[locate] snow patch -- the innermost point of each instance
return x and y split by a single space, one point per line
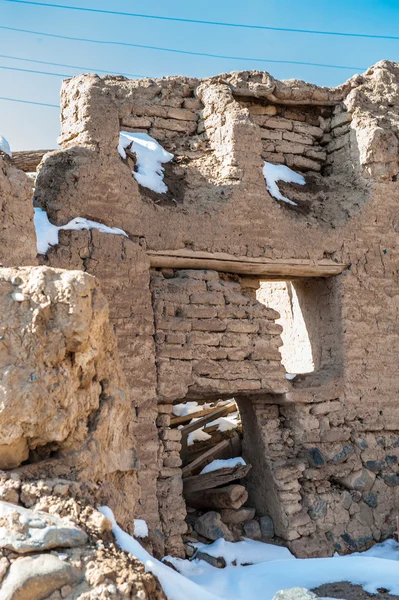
274 173
149 158
223 464
226 423
187 408
47 233
197 436
140 528
290 376
198 580
5 146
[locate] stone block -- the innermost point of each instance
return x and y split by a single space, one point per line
252 530
204 338
208 325
210 298
266 528
210 526
239 515
278 123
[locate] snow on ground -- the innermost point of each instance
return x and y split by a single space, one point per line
149 158
198 580
223 464
140 528
275 173
5 146
47 233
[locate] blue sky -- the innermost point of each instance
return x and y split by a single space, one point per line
34 127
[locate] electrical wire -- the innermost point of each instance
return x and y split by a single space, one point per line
204 22
87 69
175 51
29 102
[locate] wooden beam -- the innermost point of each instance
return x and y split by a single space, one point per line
205 458
213 479
262 267
220 411
201 413
231 496
28 160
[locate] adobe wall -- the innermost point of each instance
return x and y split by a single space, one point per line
330 444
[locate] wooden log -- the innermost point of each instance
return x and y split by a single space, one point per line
205 458
199 448
220 411
231 496
213 479
226 448
175 421
285 268
28 160
215 414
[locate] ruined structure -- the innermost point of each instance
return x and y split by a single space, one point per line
324 445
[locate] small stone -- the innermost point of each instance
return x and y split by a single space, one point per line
296 593
99 522
361 480
211 527
4 564
252 530
318 510
266 527
391 460
371 499
315 458
375 465
346 500
391 479
342 456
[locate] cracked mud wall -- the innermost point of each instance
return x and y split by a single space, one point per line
338 419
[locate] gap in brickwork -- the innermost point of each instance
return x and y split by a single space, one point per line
296 351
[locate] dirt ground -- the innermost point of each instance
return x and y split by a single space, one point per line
347 591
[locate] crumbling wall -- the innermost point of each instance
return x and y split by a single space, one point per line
17 234
333 421
64 410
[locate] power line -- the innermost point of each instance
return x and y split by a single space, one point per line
33 71
90 69
203 22
175 51
29 102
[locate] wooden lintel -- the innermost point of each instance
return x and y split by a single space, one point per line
262 267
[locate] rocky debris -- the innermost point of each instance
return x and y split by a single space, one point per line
210 526
81 561
66 392
36 577
24 530
295 594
